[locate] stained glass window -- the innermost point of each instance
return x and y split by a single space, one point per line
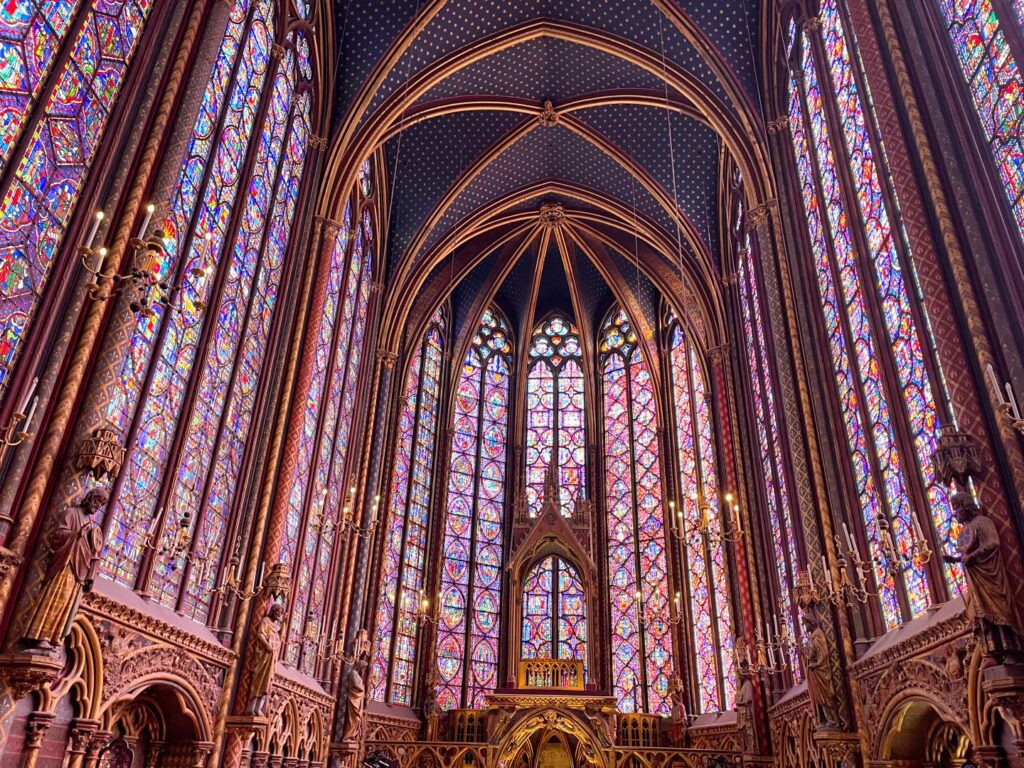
41 197
775 483
707 579
554 412
324 480
976 30
554 612
885 471
195 417
471 573
405 527
637 563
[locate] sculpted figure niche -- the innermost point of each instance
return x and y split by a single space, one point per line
73 548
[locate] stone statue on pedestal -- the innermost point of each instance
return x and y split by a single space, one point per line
73 548
265 650
814 652
355 699
990 603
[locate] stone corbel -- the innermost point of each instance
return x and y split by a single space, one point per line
24 672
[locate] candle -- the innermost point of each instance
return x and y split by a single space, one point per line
23 407
145 221
101 258
737 519
31 411
995 383
91 237
918 533
827 572
846 537
1013 401
154 523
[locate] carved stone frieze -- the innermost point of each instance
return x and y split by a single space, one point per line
148 627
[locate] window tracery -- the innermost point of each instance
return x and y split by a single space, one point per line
189 380
554 612
978 33
637 561
707 580
41 198
875 321
403 567
470 602
554 412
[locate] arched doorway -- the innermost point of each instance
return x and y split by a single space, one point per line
919 736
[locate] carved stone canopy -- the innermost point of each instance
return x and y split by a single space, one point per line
958 457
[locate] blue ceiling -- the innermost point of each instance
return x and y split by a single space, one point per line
679 153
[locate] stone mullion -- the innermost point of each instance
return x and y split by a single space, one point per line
290 272
212 308
963 380
141 577
32 355
793 379
906 211
318 432
51 446
763 490
269 519
121 322
739 569
685 648
355 549
433 551
891 383
758 524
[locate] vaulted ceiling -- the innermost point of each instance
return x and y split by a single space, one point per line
650 104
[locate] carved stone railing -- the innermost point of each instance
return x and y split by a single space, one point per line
566 674
637 730
467 725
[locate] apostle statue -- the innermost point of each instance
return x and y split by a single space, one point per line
355 699
814 652
680 720
990 603
745 708
432 707
73 548
264 657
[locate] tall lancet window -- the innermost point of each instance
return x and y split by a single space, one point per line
317 494
707 587
774 479
467 630
188 384
554 412
402 578
978 32
51 144
887 379
637 564
554 612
